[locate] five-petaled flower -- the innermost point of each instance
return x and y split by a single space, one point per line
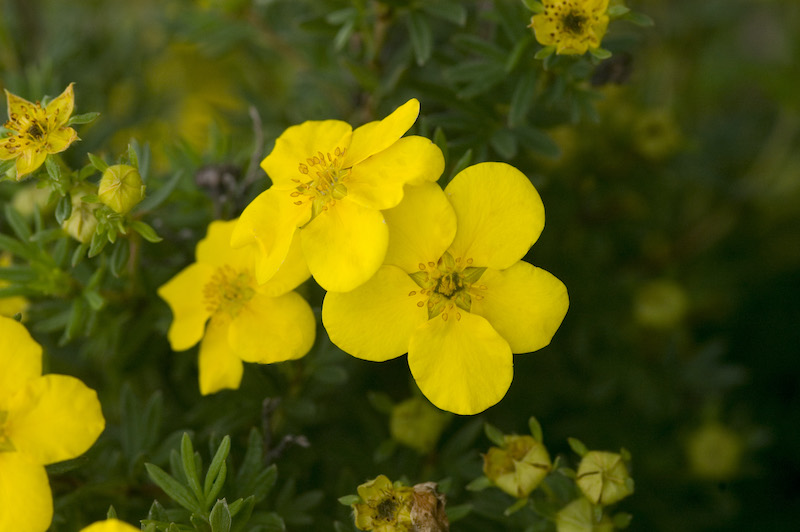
329 186
246 321
36 131
43 419
571 26
454 293
384 506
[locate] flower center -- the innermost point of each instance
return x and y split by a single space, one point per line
35 131
5 441
447 285
228 291
322 182
574 22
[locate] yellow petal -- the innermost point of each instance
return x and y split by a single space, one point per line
500 215
110 525
9 150
376 136
60 139
345 245
271 329
290 274
301 142
421 228
378 181
461 365
218 365
28 161
524 304
54 418
27 504
20 111
376 320
270 222
60 108
184 295
215 249
20 358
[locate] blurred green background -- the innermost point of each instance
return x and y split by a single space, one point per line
670 175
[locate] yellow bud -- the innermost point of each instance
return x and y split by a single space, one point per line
518 467
81 223
714 452
121 188
579 516
603 477
417 424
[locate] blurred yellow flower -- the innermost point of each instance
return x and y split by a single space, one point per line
10 306
37 131
571 26
329 186
246 321
454 293
43 419
417 424
110 525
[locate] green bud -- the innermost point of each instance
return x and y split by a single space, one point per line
660 304
121 188
417 424
580 516
714 452
82 223
603 477
518 467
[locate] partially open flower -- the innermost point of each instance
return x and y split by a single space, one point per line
518 467
121 188
603 477
385 507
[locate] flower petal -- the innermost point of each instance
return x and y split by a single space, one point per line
215 249
218 365
20 358
60 108
29 160
525 304
376 136
345 245
378 181
461 365
54 405
25 491
421 228
20 112
500 215
9 149
184 295
60 139
291 274
273 329
301 142
270 222
376 320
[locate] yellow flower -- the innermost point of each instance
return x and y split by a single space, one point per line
38 131
110 525
384 507
459 301
10 306
43 419
518 467
571 26
246 321
329 186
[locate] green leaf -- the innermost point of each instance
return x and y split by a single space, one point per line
537 140
462 163
173 488
162 193
97 244
119 258
421 37
85 118
617 10
343 35
522 98
479 484
545 52
533 5
349 500
17 223
215 468
381 402
63 209
95 300
76 321
53 169
577 446
448 10
517 506
621 520
504 143
494 435
147 232
15 247
456 513
220 518
535 428
600 53
516 54
78 254
190 466
241 510
97 162
111 513
157 512
133 157
18 274
639 19
440 140
91 198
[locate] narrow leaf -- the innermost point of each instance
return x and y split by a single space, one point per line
172 488
147 232
421 37
97 162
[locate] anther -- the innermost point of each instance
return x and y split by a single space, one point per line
412 293
420 304
444 316
421 266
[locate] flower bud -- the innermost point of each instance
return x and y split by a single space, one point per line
518 467
580 516
714 452
384 506
603 477
121 188
417 424
82 223
660 304
28 198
